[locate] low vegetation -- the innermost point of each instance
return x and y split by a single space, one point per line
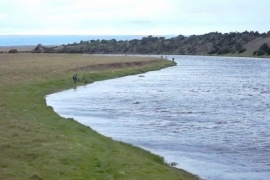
234 43
13 51
35 143
263 49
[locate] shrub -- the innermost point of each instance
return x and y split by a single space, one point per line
13 51
242 50
264 47
259 52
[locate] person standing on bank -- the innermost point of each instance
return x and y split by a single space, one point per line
75 78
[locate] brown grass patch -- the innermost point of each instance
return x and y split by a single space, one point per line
20 68
24 48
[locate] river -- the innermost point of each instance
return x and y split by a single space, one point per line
209 115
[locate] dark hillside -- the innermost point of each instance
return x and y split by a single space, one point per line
234 43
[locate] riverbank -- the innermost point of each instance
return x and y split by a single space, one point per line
36 143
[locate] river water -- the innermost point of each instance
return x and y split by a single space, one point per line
210 115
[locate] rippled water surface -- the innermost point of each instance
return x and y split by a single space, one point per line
210 115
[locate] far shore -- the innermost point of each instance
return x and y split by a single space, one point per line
30 48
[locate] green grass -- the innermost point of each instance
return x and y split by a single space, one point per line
36 143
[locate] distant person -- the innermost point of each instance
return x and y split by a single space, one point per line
75 78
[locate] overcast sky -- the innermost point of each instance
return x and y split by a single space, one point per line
132 17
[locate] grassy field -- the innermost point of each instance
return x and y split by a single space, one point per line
36 143
25 48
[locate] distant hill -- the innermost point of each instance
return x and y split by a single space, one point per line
215 43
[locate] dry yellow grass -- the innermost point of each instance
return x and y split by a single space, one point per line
25 48
20 68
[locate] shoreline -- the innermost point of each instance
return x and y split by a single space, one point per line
35 139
